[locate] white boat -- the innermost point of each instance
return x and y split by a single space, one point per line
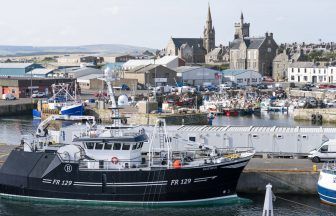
326 185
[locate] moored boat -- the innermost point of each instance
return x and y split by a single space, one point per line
326 186
111 166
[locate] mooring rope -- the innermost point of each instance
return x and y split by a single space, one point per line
301 204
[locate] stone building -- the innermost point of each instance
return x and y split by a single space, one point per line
153 75
252 53
242 29
193 50
281 63
219 55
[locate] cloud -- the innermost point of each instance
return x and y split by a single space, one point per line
114 10
280 18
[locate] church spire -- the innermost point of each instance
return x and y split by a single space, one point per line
209 19
209 33
242 18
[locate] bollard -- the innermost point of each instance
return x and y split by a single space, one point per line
315 169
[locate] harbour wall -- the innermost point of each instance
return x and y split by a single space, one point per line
315 94
328 115
16 109
150 119
283 182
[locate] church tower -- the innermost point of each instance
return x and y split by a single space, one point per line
209 34
242 29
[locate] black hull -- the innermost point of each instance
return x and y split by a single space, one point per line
43 175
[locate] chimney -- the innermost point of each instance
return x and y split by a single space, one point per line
271 35
266 34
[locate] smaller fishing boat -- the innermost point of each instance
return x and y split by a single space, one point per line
62 102
326 185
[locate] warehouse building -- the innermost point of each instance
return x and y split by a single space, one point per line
195 75
21 87
242 77
16 69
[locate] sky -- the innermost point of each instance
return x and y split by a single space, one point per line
150 23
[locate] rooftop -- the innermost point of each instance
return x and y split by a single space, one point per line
15 65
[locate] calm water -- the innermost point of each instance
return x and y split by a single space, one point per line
12 128
311 206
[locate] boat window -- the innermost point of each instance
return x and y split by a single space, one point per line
126 146
108 146
117 146
140 145
99 146
134 146
193 139
89 145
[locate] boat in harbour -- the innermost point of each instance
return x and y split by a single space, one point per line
62 102
326 186
111 166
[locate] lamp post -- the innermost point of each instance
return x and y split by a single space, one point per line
31 85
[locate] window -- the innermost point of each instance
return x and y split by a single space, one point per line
140 145
192 139
99 146
108 146
117 146
89 145
126 146
240 80
269 50
292 78
324 148
305 70
292 70
134 146
254 80
13 91
305 78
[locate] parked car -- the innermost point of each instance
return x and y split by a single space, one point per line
38 95
305 88
8 97
261 86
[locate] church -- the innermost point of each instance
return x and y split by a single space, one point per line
193 50
252 53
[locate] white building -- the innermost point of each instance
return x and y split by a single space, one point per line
194 75
242 77
304 72
167 61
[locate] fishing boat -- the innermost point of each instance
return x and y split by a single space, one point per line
62 102
111 166
326 186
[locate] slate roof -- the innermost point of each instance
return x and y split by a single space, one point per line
192 42
251 43
302 65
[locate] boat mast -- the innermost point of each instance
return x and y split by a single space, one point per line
110 76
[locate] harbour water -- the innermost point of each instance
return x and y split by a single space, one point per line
12 128
310 206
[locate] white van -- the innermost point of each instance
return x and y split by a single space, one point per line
327 151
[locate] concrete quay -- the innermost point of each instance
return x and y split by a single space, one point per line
135 118
328 115
287 176
22 106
